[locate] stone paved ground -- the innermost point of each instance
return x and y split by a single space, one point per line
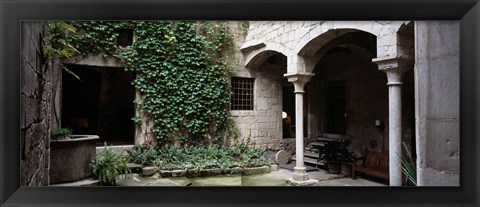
276 178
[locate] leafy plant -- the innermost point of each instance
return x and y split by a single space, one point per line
408 166
108 165
245 25
61 132
56 44
142 154
334 151
199 157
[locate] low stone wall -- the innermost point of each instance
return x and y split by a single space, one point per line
192 173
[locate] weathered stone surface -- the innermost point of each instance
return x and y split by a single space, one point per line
134 168
165 173
225 180
438 113
179 173
282 157
268 179
71 158
191 173
210 172
36 108
310 182
149 170
273 168
178 181
256 170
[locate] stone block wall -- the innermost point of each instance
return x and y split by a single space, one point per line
263 124
36 107
289 37
437 71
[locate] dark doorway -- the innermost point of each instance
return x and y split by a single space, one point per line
101 104
288 113
335 110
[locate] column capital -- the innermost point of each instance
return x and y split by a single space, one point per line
394 66
299 80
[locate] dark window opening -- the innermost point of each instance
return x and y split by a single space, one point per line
242 93
335 110
100 104
125 37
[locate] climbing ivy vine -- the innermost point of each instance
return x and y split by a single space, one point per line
182 73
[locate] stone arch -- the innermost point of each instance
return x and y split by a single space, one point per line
329 30
314 50
259 58
254 59
316 38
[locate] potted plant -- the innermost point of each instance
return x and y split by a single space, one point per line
108 165
334 153
61 133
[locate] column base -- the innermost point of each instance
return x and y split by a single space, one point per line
300 174
310 182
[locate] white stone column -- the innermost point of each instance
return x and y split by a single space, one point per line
299 80
394 67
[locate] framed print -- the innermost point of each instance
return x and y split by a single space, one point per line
286 88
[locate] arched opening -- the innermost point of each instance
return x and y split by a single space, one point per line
348 94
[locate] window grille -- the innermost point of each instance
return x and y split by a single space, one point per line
242 93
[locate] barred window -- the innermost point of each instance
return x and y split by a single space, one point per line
242 96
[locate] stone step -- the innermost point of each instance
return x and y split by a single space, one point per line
310 154
319 144
310 161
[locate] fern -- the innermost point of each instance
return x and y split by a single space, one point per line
108 165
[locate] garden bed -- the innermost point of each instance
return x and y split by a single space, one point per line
192 173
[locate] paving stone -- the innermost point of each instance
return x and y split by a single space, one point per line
177 181
223 180
268 179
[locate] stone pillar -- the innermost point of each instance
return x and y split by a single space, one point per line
394 67
299 80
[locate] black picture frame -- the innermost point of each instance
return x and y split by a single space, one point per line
13 12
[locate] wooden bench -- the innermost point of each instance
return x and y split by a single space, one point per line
374 163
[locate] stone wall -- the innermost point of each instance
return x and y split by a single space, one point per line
290 37
437 102
263 124
36 107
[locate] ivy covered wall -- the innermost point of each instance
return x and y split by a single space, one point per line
182 74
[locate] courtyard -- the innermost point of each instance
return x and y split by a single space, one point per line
275 178
183 87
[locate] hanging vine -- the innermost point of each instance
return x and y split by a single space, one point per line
182 73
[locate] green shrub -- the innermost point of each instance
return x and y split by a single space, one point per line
199 157
142 154
108 165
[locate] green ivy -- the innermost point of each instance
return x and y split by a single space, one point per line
56 44
182 73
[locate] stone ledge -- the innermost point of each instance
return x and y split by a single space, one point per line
192 173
